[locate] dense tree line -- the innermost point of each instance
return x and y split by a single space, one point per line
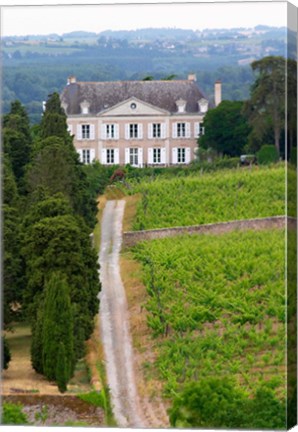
51 269
233 128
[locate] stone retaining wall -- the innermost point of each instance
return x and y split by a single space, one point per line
131 238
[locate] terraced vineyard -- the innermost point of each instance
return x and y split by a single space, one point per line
209 198
216 307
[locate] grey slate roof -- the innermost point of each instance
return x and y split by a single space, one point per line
104 95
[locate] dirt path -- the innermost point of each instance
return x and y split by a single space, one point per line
114 322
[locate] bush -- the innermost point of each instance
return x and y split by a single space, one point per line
218 403
12 414
267 155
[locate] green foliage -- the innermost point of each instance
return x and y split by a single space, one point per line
6 356
93 398
13 415
265 109
17 140
98 177
217 308
12 263
226 129
53 122
55 166
61 243
267 155
57 331
209 198
219 403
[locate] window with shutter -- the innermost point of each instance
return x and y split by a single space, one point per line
92 155
150 156
174 155
126 156
103 131
187 130
187 155
116 156
104 156
92 132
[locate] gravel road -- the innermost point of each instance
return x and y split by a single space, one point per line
114 322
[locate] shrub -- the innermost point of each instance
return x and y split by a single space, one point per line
214 402
12 414
267 155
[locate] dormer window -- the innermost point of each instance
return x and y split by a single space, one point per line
181 104
203 105
85 107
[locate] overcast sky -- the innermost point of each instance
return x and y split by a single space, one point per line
23 20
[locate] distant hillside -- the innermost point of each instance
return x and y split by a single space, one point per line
38 65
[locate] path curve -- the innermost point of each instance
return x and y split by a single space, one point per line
114 322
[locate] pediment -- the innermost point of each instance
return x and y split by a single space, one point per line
132 107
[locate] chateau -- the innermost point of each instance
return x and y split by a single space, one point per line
139 123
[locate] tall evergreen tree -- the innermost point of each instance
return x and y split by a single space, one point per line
60 242
53 122
57 331
56 163
12 263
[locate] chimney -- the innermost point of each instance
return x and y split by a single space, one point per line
217 92
192 77
71 80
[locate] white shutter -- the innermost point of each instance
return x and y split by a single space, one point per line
69 129
140 131
126 156
187 130
80 154
163 156
140 157
197 129
92 155
104 156
116 156
163 130
103 130
92 132
150 131
174 130
79 132
174 155
116 131
127 131
187 155
150 156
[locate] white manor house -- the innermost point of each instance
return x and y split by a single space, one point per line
140 123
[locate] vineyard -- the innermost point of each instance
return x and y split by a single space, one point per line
211 197
216 305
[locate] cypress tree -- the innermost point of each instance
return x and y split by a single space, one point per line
57 331
62 368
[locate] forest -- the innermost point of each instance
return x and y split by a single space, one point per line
50 266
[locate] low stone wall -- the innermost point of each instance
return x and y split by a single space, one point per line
131 238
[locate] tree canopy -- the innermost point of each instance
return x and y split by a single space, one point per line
226 129
266 107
